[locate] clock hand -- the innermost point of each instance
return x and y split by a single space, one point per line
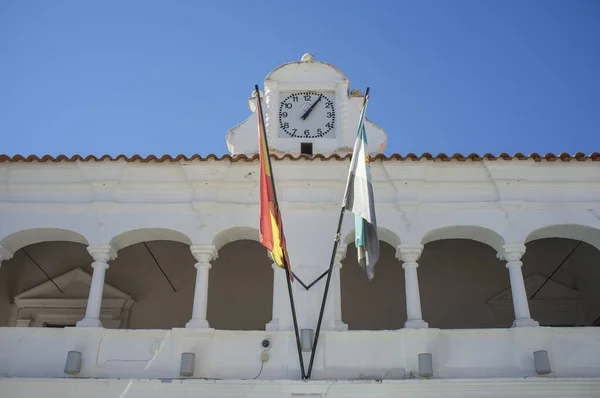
309 110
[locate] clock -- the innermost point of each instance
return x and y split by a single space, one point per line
307 114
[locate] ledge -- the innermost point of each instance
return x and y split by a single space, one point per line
550 157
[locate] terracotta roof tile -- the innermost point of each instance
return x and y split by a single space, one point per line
550 157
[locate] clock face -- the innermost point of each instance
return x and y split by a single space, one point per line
306 114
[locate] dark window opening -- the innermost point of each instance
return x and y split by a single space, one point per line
56 325
306 148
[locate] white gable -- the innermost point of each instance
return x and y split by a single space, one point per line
45 304
310 75
555 304
552 290
74 284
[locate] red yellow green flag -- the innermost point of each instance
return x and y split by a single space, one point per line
271 226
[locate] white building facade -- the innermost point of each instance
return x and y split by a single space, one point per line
489 264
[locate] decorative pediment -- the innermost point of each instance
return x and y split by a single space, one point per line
45 303
74 284
552 291
339 128
554 305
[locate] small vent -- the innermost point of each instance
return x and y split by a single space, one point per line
306 148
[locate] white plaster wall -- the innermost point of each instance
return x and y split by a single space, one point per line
392 355
119 203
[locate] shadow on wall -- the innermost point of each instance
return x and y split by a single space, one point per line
457 277
379 304
240 292
562 278
161 294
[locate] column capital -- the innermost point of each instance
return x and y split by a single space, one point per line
512 252
5 254
340 254
204 254
102 253
409 252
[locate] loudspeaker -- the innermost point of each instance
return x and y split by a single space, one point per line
541 362
187 364
306 339
73 363
425 365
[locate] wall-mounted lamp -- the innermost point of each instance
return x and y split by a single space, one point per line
541 362
187 364
425 365
306 339
73 362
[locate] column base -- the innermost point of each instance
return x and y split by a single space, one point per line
197 324
340 326
89 323
416 324
524 323
272 326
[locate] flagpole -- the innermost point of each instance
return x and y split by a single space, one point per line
331 263
285 259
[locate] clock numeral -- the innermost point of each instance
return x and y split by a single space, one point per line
294 133
329 114
295 98
328 105
287 105
329 125
307 132
284 114
319 131
286 125
307 97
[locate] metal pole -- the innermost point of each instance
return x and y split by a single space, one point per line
554 272
285 259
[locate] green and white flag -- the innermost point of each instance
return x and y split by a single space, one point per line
359 200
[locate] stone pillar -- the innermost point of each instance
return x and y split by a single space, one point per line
101 255
280 295
336 286
409 254
5 254
203 254
512 253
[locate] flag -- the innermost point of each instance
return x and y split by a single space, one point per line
271 226
359 200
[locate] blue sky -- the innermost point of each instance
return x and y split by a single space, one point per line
155 77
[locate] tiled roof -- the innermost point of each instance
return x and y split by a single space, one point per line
550 157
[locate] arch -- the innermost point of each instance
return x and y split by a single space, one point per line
582 233
384 235
244 267
236 233
132 237
471 232
20 239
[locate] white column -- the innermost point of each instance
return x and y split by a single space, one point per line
5 254
512 254
203 254
409 254
279 294
337 288
101 255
